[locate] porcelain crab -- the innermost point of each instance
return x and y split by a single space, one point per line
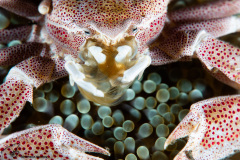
103 46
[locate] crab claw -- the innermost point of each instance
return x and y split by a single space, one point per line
18 88
10 106
47 141
212 127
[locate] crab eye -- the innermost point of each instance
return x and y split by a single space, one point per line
135 29
87 32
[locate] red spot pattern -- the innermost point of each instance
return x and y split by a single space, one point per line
215 27
15 92
20 33
222 121
38 68
59 69
212 126
179 40
222 59
10 55
173 46
10 108
33 142
106 17
27 9
212 10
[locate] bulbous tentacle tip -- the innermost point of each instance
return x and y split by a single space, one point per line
48 141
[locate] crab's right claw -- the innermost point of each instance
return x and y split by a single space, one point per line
18 88
13 96
48 141
213 129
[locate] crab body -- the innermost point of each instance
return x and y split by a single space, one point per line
107 45
104 45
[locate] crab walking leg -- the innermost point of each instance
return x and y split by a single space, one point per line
160 57
31 47
47 141
215 27
212 10
19 84
214 131
23 8
19 33
10 56
181 42
59 70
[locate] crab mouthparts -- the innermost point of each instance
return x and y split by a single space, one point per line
107 70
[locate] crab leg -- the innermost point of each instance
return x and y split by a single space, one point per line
47 141
19 84
21 33
159 57
30 35
181 42
215 27
10 56
25 8
212 125
59 70
212 10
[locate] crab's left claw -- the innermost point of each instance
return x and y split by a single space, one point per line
212 127
48 141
